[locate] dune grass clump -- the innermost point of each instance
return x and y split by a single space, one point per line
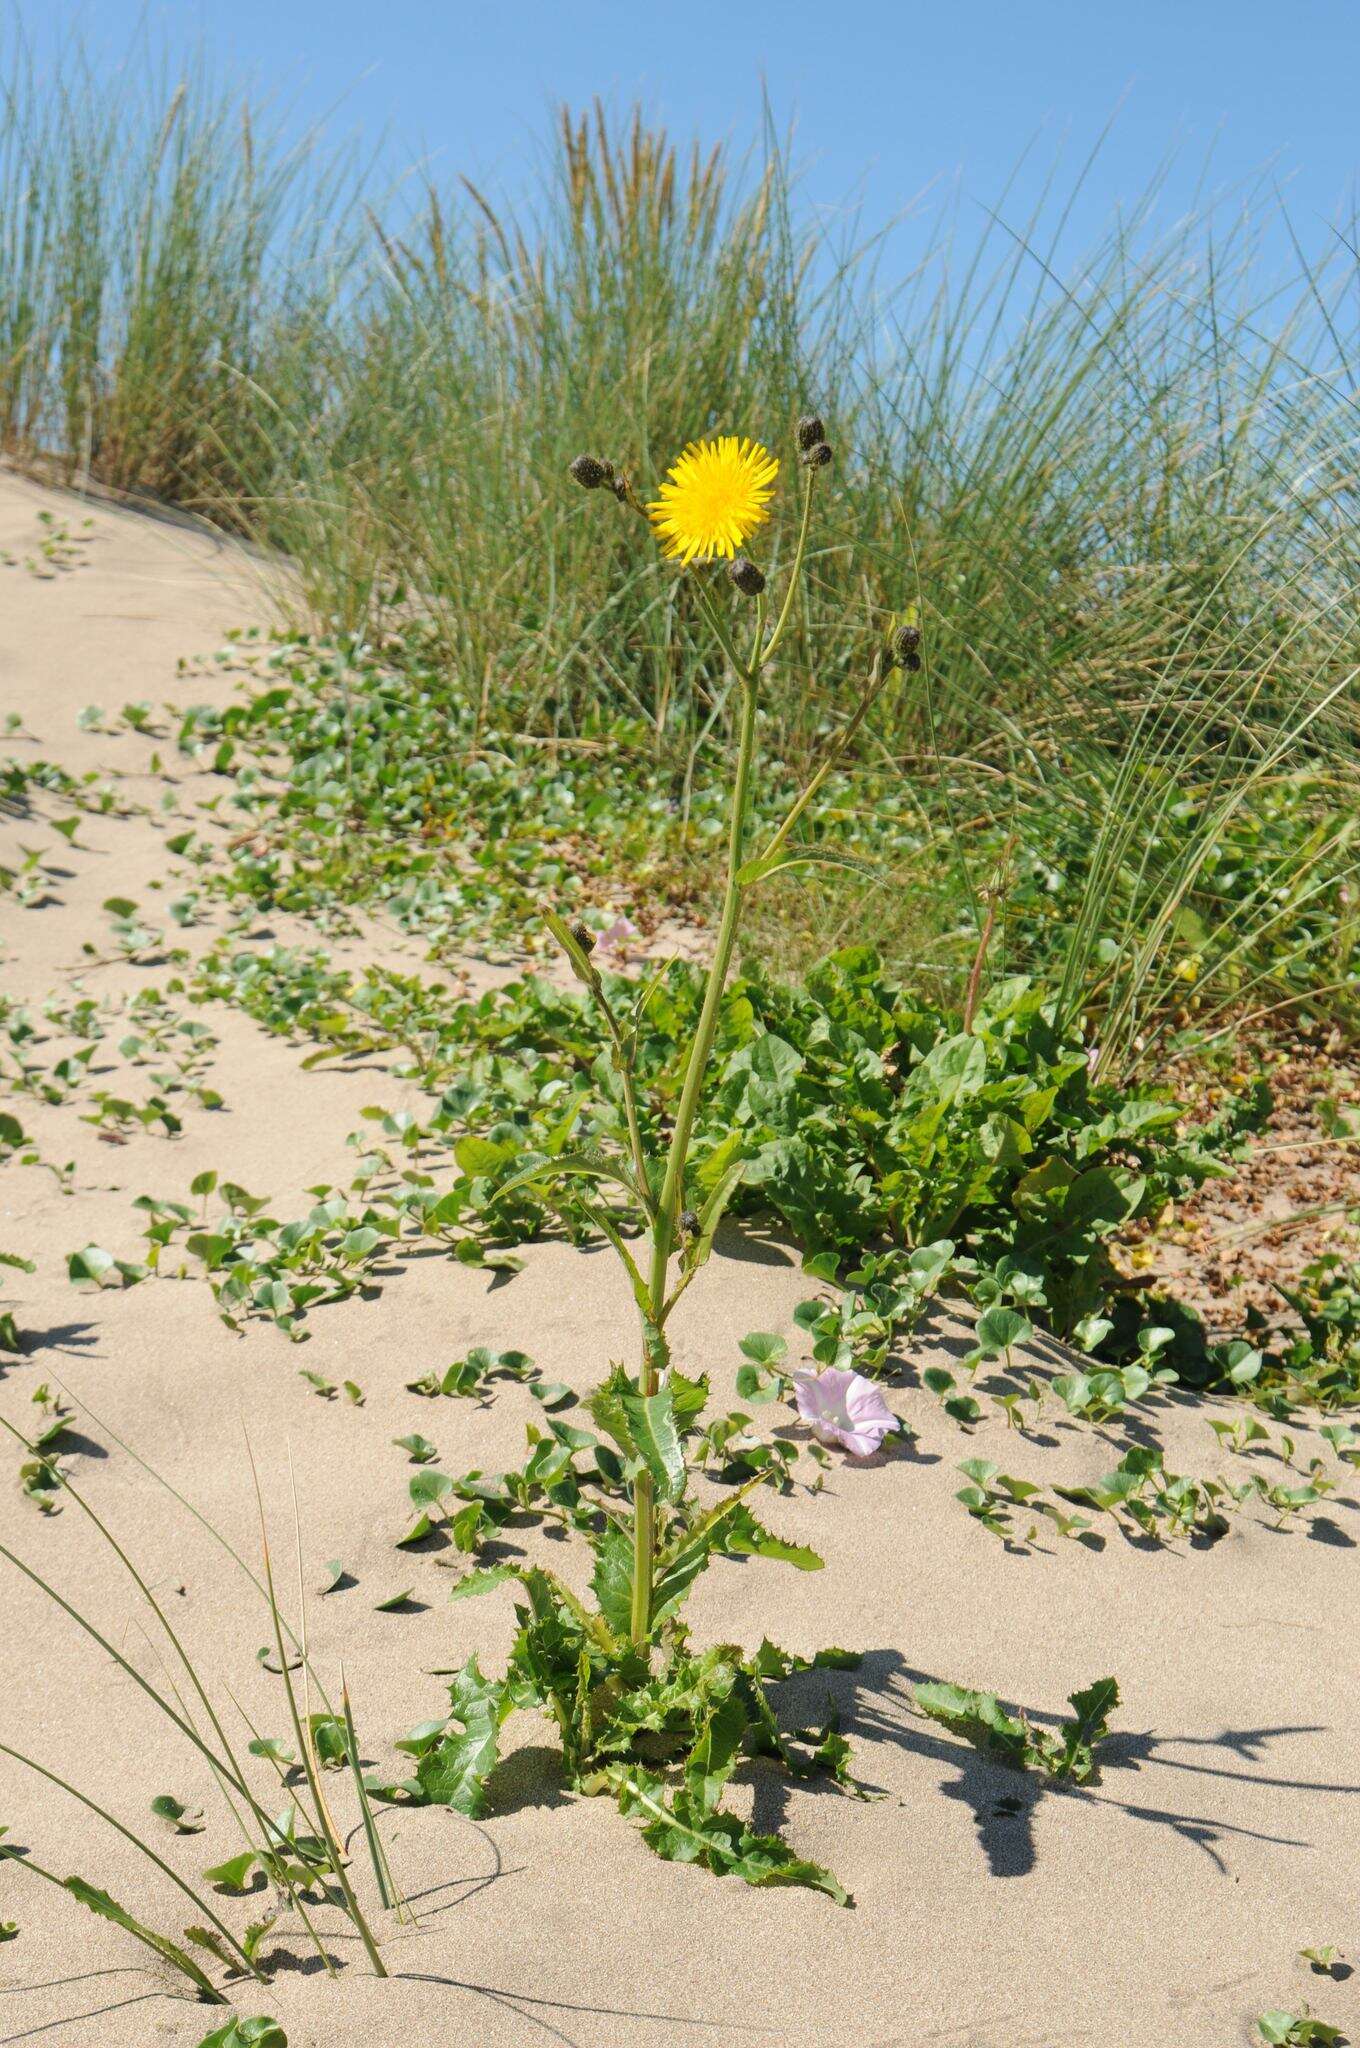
1124 475
168 264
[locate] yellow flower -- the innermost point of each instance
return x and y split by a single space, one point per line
717 493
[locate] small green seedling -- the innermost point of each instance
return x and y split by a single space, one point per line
961 1408
1298 2030
471 1376
260 2032
181 1819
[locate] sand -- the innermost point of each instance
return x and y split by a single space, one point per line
1161 1908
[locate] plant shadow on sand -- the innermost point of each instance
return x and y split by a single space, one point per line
72 1337
96 2013
875 1705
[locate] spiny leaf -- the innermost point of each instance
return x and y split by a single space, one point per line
454 1771
720 1841
612 1579
656 1437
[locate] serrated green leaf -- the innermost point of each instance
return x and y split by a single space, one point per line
656 1439
612 1579
455 1770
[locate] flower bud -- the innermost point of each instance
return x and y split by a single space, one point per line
810 431
590 472
905 650
818 454
744 573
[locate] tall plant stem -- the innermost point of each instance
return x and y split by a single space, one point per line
655 1353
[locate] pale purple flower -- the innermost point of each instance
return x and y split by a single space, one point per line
844 1408
618 937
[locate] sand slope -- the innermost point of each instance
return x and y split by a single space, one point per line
1162 1908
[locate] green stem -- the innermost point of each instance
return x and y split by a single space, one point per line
878 676
795 572
624 1067
655 1352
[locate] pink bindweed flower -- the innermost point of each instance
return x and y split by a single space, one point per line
844 1408
618 938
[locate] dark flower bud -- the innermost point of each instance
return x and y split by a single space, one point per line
810 431
590 472
744 573
905 650
584 936
818 455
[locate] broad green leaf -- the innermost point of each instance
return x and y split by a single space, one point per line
612 1579
232 1874
454 1772
483 1155
260 2032
656 1438
418 1448
183 1819
999 1328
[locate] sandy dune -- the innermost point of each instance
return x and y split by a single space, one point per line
1161 1908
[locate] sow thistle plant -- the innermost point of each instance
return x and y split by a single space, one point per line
641 1713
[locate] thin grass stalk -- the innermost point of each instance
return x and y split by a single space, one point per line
377 1852
200 1904
159 1945
234 1775
333 1847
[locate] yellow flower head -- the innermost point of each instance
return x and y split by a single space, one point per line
717 493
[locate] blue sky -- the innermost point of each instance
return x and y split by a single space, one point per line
885 98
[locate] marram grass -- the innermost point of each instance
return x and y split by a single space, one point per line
1113 480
